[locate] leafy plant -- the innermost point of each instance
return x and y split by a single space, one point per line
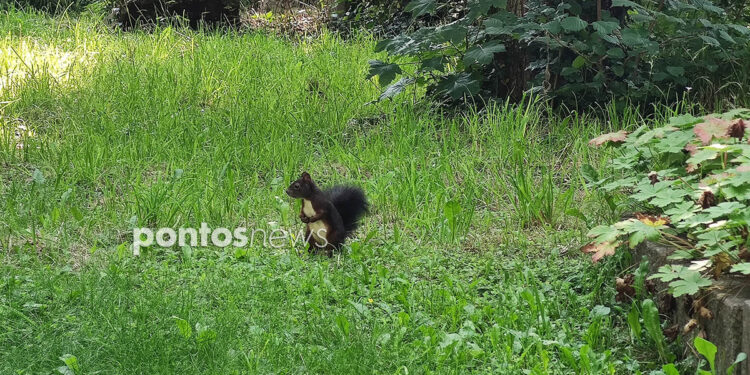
574 51
692 176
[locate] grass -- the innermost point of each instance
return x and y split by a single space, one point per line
467 263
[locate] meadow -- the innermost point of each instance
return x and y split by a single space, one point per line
468 261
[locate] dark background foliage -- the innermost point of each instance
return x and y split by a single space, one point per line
577 53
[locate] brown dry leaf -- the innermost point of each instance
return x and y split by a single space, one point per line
600 250
712 128
702 334
616 137
689 326
651 220
737 129
743 168
707 199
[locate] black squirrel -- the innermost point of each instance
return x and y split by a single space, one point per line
331 215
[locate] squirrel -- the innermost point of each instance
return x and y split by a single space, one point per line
331 215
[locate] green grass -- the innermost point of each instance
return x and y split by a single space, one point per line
466 264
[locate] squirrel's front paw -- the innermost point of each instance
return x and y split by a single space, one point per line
304 219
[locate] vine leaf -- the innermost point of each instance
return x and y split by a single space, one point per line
483 54
421 7
743 268
396 88
712 128
616 137
573 24
690 283
385 72
458 85
600 250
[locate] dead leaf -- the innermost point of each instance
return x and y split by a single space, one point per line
689 326
616 137
651 220
712 128
743 168
600 250
705 313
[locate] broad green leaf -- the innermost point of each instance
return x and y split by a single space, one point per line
385 72
616 53
605 27
652 323
669 272
625 3
579 62
421 7
706 349
684 121
690 282
458 85
724 209
435 63
743 268
710 41
676 71
667 197
483 54
396 88
604 233
703 155
478 8
573 24
454 33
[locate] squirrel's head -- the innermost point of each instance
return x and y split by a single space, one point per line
302 188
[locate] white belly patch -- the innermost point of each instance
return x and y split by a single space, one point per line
318 228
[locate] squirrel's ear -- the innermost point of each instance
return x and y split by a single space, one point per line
306 176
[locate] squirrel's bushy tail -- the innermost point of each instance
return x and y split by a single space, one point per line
351 204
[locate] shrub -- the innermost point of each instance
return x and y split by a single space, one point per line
577 52
51 6
131 12
692 177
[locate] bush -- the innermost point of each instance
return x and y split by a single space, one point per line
577 52
692 178
131 12
52 6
